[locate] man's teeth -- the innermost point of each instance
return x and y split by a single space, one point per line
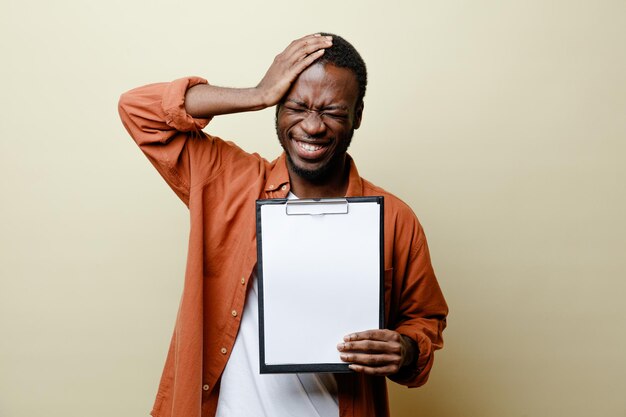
309 147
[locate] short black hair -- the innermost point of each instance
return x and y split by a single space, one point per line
343 55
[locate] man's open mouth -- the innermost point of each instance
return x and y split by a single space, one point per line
308 146
307 150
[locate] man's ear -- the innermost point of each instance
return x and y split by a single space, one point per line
358 115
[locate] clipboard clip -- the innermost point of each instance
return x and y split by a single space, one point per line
316 206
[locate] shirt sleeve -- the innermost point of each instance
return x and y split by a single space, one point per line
156 119
422 311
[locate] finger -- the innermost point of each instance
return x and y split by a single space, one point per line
301 48
377 360
370 346
374 334
307 61
376 371
314 38
306 54
306 37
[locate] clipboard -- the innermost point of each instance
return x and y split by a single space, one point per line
321 277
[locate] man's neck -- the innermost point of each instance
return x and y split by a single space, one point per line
335 186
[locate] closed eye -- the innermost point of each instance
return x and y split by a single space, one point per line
294 109
338 116
333 112
295 106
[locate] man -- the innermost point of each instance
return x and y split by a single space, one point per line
317 83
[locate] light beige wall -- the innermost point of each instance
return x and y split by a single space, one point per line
501 123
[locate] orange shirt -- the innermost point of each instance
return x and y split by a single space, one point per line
220 183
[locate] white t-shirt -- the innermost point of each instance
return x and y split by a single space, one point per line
244 392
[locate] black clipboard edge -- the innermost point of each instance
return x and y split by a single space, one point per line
322 367
259 272
306 368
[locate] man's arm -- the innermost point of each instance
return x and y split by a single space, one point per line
205 100
166 119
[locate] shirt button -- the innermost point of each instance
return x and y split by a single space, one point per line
234 313
284 187
223 350
205 387
243 280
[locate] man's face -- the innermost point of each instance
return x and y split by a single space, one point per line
316 120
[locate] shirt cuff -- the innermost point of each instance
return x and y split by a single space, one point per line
411 376
173 103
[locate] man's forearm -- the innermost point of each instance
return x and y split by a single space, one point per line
204 100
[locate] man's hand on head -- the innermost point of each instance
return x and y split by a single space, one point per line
289 64
380 352
205 101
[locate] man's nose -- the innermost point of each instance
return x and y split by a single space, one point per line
313 124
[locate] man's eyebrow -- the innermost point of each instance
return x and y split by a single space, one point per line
296 102
336 107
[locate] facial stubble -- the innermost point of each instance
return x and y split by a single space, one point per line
321 175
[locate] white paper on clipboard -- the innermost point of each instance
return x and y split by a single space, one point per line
320 275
